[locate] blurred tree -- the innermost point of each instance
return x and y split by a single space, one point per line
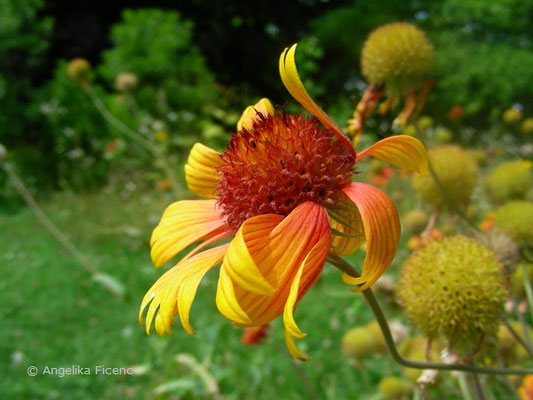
156 46
23 44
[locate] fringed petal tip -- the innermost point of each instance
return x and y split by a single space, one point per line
174 292
251 113
401 151
293 83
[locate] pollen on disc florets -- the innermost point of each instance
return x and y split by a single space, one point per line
283 161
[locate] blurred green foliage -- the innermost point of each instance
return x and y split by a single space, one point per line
156 45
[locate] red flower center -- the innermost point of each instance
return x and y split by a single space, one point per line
283 161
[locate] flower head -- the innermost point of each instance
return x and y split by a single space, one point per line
396 61
283 192
454 288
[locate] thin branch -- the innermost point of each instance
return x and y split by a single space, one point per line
344 266
108 282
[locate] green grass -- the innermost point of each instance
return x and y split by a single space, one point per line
55 315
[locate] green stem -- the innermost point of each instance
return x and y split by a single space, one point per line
344 266
527 287
463 386
479 389
108 282
524 343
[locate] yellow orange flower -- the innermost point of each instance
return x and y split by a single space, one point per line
526 389
283 192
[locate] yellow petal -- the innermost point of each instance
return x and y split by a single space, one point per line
174 292
251 114
401 151
201 171
347 228
277 257
293 83
182 224
381 226
227 302
313 259
238 262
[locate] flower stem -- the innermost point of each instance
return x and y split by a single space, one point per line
346 267
527 287
110 283
463 386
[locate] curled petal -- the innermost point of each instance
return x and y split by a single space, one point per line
401 151
251 114
174 292
277 256
201 171
238 261
315 257
381 226
346 228
293 83
182 224
227 302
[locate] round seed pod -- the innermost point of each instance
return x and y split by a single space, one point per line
457 172
78 69
424 122
397 55
512 116
358 343
505 248
509 180
126 82
415 221
443 135
527 126
516 219
454 288
392 387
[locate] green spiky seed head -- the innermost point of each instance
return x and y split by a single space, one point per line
78 69
443 135
358 343
509 180
392 387
516 219
511 116
397 55
517 280
457 172
410 130
454 288
505 248
527 126
415 221
424 122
